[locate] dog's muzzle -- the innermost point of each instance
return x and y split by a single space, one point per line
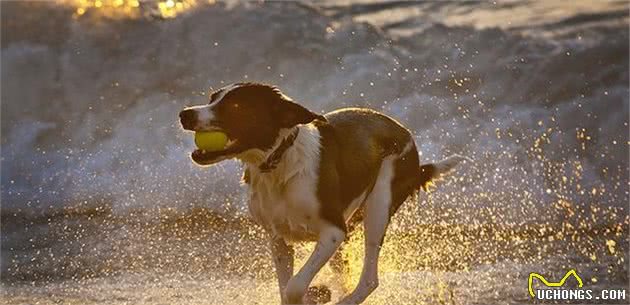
188 118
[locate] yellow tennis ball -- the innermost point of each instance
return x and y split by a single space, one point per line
210 140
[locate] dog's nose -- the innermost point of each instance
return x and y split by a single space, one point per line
188 118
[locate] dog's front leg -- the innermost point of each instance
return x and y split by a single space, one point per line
283 261
330 237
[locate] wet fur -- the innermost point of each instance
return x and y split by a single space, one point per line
347 167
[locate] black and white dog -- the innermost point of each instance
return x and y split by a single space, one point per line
312 177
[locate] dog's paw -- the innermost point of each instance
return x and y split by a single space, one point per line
317 295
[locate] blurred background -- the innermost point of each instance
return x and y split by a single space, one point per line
101 203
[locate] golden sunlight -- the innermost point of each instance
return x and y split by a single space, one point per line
132 8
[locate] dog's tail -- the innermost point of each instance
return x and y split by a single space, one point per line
436 171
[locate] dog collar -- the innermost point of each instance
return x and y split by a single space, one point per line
274 158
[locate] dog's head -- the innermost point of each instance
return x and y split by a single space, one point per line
251 115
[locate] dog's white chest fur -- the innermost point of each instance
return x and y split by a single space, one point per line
284 201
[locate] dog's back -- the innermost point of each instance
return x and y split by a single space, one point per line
354 144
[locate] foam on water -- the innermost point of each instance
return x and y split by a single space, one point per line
94 114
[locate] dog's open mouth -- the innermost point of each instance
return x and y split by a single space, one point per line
207 157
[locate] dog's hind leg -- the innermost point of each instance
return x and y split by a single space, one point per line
377 209
397 180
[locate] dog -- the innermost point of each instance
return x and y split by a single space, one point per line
314 177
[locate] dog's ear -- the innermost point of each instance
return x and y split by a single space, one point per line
290 114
